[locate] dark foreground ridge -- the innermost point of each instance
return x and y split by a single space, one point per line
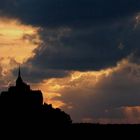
21 106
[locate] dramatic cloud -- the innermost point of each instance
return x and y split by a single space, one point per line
78 35
93 48
107 96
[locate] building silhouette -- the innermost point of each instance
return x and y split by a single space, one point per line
24 106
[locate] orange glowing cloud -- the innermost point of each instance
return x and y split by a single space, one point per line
54 88
17 41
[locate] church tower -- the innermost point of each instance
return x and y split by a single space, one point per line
19 80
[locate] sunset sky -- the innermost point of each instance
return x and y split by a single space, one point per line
84 55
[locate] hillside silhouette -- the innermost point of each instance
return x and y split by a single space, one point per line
21 106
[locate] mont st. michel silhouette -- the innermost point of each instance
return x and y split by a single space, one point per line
22 109
23 106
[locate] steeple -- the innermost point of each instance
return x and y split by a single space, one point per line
19 80
19 74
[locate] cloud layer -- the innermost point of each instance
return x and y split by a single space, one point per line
87 49
79 35
110 96
70 12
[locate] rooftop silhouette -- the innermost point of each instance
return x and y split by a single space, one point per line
23 105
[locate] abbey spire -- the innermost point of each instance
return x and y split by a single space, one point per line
19 80
19 74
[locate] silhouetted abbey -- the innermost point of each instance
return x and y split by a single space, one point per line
22 105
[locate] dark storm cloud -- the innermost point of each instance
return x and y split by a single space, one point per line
78 35
85 49
70 12
93 48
